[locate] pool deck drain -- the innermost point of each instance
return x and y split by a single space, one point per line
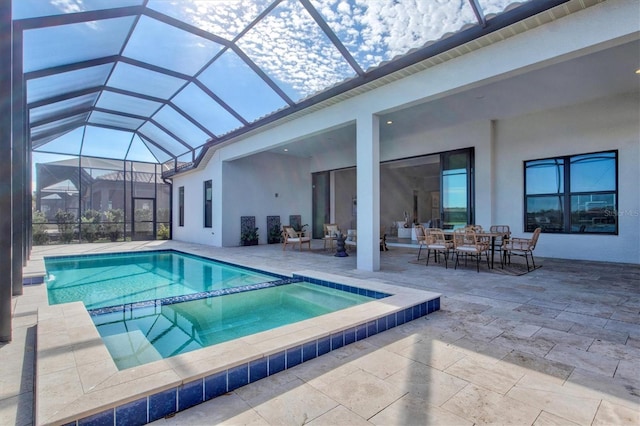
78 380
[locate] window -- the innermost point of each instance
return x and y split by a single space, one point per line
572 194
207 204
181 206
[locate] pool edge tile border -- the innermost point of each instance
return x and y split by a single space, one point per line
179 392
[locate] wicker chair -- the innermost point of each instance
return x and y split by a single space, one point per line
521 247
331 231
421 237
499 241
469 243
291 236
437 241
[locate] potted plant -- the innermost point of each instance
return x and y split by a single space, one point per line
299 228
275 235
249 237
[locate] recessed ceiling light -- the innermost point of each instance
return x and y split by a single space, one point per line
389 122
286 150
638 71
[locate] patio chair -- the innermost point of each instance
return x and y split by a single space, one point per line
521 247
331 231
291 236
352 238
436 240
505 232
421 237
469 243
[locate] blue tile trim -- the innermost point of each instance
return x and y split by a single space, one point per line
258 369
349 336
372 328
189 297
276 362
133 413
238 376
344 287
32 280
309 351
190 394
324 345
215 385
294 356
105 418
361 332
337 341
382 324
162 404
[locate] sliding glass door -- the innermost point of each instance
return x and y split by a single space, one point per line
457 188
320 200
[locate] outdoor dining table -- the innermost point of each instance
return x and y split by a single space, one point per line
492 235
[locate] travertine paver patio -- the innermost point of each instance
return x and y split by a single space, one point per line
560 345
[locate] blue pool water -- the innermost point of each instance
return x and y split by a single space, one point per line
140 335
124 278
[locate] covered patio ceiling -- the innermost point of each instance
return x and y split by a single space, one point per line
157 80
606 72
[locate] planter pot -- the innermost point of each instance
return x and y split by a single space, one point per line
250 243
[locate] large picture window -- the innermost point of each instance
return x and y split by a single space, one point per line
572 194
207 203
181 206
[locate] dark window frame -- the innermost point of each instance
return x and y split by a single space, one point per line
181 206
566 195
207 201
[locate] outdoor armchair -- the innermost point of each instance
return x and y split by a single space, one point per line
469 243
437 241
521 247
331 232
293 237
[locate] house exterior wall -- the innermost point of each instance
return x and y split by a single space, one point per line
248 178
605 124
248 188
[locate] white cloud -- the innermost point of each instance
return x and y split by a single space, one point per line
289 46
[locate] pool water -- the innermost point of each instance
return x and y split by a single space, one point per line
123 278
140 335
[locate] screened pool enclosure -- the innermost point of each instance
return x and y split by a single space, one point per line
144 82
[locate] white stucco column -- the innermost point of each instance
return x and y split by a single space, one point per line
215 169
368 191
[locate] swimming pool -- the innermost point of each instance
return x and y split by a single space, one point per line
140 335
123 278
89 387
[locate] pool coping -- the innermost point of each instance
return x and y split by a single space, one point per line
78 380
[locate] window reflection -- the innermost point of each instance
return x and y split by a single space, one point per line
545 176
590 195
545 212
593 172
593 213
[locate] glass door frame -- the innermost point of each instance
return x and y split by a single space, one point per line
152 221
470 181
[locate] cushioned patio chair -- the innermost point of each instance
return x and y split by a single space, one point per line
469 243
437 242
331 232
421 237
521 247
499 241
352 238
293 237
